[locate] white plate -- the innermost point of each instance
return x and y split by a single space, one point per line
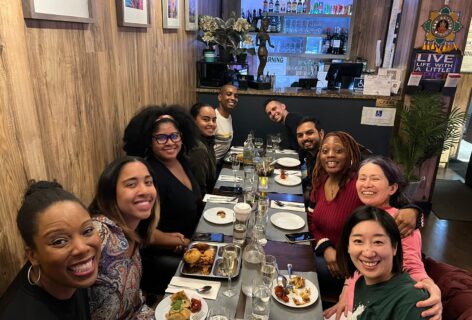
290 180
164 306
313 296
210 215
288 162
287 221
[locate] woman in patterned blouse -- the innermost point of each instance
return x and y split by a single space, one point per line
125 195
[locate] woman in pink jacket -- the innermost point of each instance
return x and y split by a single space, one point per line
380 184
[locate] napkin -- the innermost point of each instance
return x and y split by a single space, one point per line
294 206
194 283
297 173
213 198
226 178
285 151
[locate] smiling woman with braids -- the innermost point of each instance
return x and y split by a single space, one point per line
63 250
333 198
162 134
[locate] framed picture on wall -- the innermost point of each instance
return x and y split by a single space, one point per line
133 13
71 10
191 15
170 14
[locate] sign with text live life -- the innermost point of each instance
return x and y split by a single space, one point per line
435 66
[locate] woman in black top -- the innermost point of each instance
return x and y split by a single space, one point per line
202 158
162 134
63 250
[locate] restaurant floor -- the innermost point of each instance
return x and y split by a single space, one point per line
447 240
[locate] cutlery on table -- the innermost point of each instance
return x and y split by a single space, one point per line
199 290
296 205
281 278
289 270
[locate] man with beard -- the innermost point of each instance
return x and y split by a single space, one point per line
309 136
277 112
227 101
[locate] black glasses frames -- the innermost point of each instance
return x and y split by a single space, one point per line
163 138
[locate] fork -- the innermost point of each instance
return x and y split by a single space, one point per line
296 205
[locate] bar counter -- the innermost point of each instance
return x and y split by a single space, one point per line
335 110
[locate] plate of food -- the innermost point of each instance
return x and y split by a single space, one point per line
302 294
204 259
287 221
288 180
182 305
288 162
219 215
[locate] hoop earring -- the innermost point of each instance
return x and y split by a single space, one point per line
33 283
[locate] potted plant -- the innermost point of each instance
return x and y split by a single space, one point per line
425 131
231 36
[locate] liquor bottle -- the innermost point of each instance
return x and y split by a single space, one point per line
265 5
344 40
327 42
304 6
336 42
277 6
271 6
282 7
294 6
299 6
289 6
243 15
248 151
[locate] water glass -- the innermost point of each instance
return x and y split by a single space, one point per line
249 177
261 302
235 164
269 270
218 312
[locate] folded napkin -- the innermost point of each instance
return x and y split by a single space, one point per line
297 173
294 206
213 198
285 151
194 283
226 178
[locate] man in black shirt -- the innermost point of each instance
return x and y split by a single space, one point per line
277 112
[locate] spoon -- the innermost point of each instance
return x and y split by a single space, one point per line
289 269
199 290
281 278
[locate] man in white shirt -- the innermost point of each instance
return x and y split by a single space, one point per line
227 101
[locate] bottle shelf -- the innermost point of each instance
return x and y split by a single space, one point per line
307 15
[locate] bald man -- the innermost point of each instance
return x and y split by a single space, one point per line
227 101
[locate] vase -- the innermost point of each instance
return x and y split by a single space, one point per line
241 58
209 55
225 55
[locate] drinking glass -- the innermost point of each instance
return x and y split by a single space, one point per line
276 139
269 271
261 301
261 220
235 164
259 142
248 180
230 258
218 312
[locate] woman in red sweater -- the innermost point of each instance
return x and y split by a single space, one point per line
333 198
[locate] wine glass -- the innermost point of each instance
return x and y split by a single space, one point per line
235 164
276 139
218 312
230 258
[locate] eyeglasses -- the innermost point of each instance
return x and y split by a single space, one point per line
163 138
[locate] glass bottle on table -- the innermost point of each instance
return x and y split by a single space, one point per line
253 256
248 151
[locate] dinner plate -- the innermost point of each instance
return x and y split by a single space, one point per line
164 306
308 284
288 162
287 221
210 215
290 180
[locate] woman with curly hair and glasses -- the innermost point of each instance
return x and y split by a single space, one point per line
162 135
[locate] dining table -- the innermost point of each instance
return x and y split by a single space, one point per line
300 255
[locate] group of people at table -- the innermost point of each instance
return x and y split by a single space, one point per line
95 262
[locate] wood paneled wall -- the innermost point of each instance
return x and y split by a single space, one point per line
67 91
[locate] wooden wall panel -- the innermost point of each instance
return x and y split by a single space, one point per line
67 91
370 24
